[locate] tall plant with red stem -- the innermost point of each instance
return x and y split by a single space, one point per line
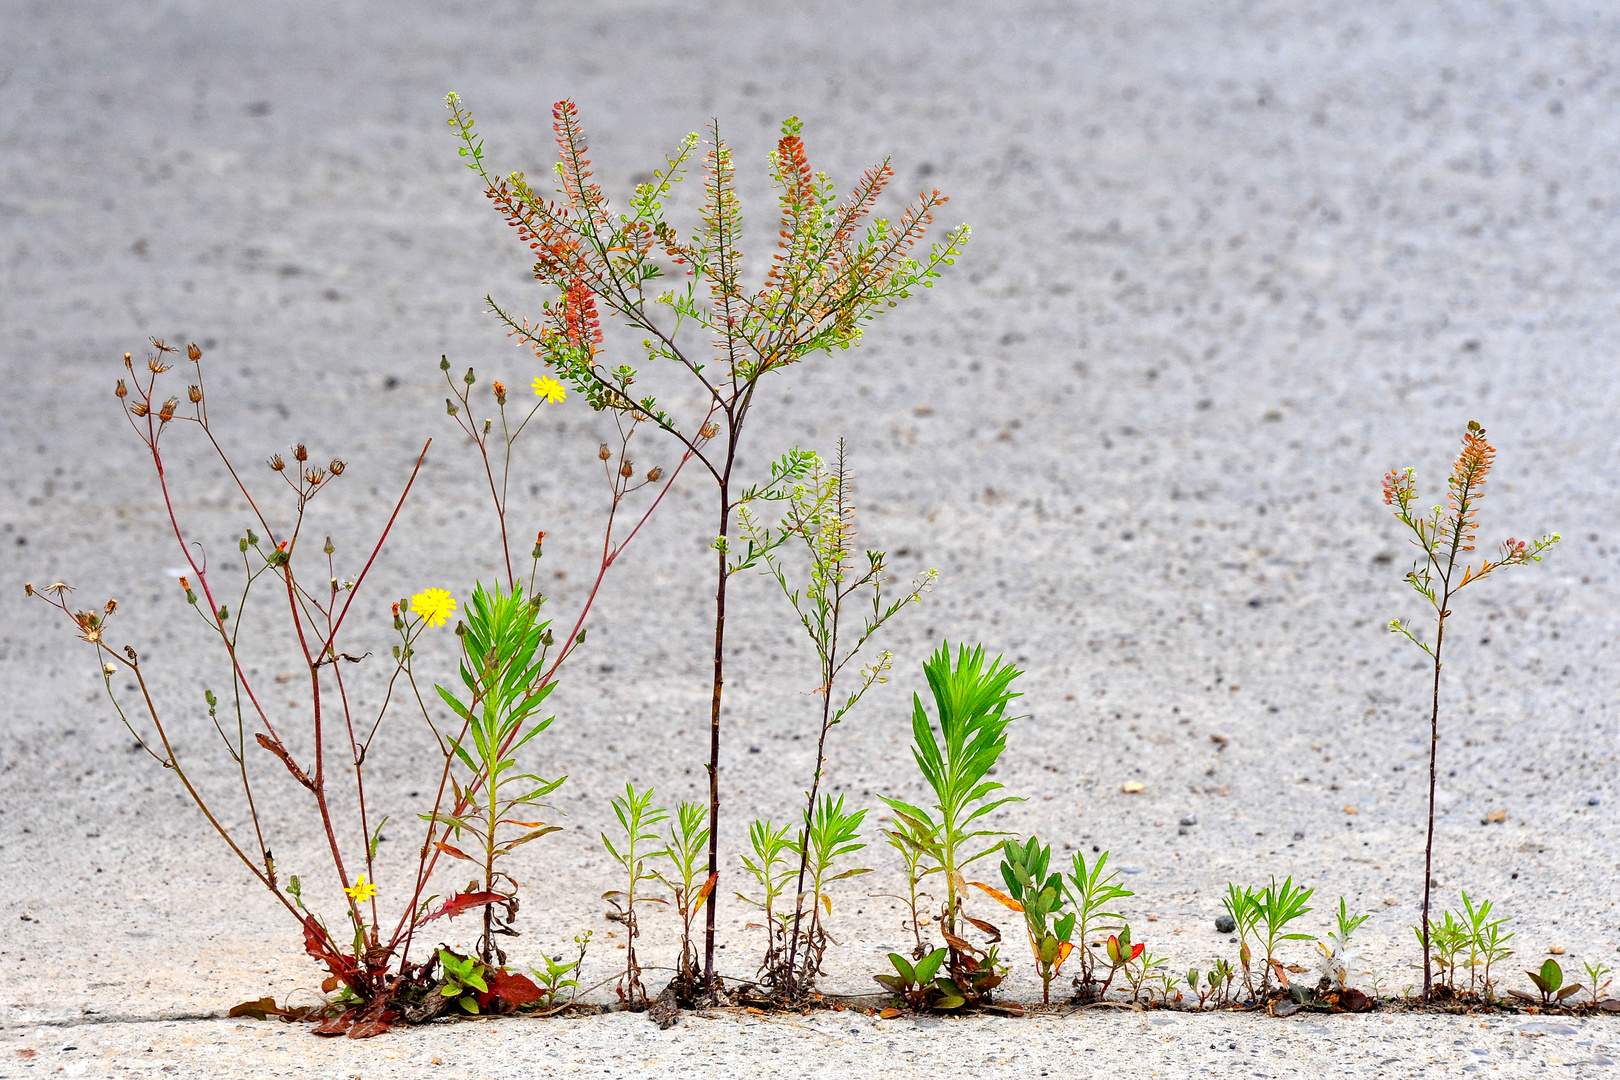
1445 535
836 267
315 613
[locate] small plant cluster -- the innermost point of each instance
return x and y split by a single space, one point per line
703 338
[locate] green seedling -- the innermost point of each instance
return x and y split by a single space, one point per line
1039 897
771 867
1091 891
558 975
971 701
912 839
639 819
1139 968
834 834
922 987
1444 535
1448 938
1279 905
685 846
463 980
1244 908
1597 977
1550 981
1487 944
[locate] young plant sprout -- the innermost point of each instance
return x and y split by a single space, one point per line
820 515
1039 897
638 820
971 700
686 845
1443 536
1091 891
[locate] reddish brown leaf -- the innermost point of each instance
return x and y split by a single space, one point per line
334 1025
889 1014
987 928
512 988
263 1009
330 983
961 945
462 902
998 896
450 849
367 1029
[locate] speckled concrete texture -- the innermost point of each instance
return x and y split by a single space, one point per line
1231 262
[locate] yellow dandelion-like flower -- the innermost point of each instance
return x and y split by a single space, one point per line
435 606
362 889
549 388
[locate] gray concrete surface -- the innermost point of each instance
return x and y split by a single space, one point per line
1232 261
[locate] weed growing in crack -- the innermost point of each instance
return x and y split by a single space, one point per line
837 585
971 701
1445 535
638 820
833 272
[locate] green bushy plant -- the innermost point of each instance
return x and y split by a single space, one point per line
971 700
1040 897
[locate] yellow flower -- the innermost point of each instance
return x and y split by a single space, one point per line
549 388
362 890
434 605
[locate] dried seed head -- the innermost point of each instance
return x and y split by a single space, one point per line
122 390
192 352
709 430
28 587
654 474
299 453
59 587
167 412
628 469
155 367
112 606
128 363
276 463
139 408
603 452
194 393
159 346
337 466
314 476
